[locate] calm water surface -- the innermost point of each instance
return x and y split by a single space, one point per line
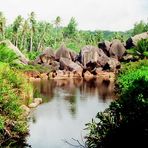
68 105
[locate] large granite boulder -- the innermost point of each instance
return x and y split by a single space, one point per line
132 41
73 55
113 64
117 49
46 57
90 55
105 46
63 52
67 64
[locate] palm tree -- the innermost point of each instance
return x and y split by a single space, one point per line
57 21
2 25
32 29
44 32
25 30
16 26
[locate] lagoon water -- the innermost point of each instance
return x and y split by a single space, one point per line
67 106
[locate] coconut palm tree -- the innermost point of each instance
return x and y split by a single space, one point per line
57 21
16 26
2 25
32 20
25 31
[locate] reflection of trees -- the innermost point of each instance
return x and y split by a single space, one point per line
45 89
92 87
106 90
73 107
67 89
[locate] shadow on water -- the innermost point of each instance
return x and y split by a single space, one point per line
67 106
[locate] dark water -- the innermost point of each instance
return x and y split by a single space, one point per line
68 106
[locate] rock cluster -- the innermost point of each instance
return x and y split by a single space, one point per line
89 63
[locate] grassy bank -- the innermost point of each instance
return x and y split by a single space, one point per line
124 123
14 90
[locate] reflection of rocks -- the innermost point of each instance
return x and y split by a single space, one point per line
106 89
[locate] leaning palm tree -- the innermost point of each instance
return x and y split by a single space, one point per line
2 25
43 34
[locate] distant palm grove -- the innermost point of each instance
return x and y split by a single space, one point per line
31 35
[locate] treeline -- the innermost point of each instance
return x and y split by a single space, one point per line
33 35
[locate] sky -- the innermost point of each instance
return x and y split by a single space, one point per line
115 15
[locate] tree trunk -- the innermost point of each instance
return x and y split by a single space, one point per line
31 41
41 38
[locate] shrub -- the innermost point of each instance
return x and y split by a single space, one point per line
13 122
125 122
142 46
32 55
6 54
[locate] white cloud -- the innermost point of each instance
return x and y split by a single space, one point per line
90 14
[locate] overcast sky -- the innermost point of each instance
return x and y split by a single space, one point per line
90 14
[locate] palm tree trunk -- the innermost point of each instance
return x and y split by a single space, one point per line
41 39
31 41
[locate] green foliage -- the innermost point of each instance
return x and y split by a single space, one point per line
6 54
141 50
14 89
2 26
140 27
142 47
124 123
71 29
32 35
2 120
32 55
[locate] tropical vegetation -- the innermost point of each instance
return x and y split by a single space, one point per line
124 123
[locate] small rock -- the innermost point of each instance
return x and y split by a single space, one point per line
33 105
44 76
38 100
87 74
26 109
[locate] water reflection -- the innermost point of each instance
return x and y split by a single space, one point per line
68 105
103 89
